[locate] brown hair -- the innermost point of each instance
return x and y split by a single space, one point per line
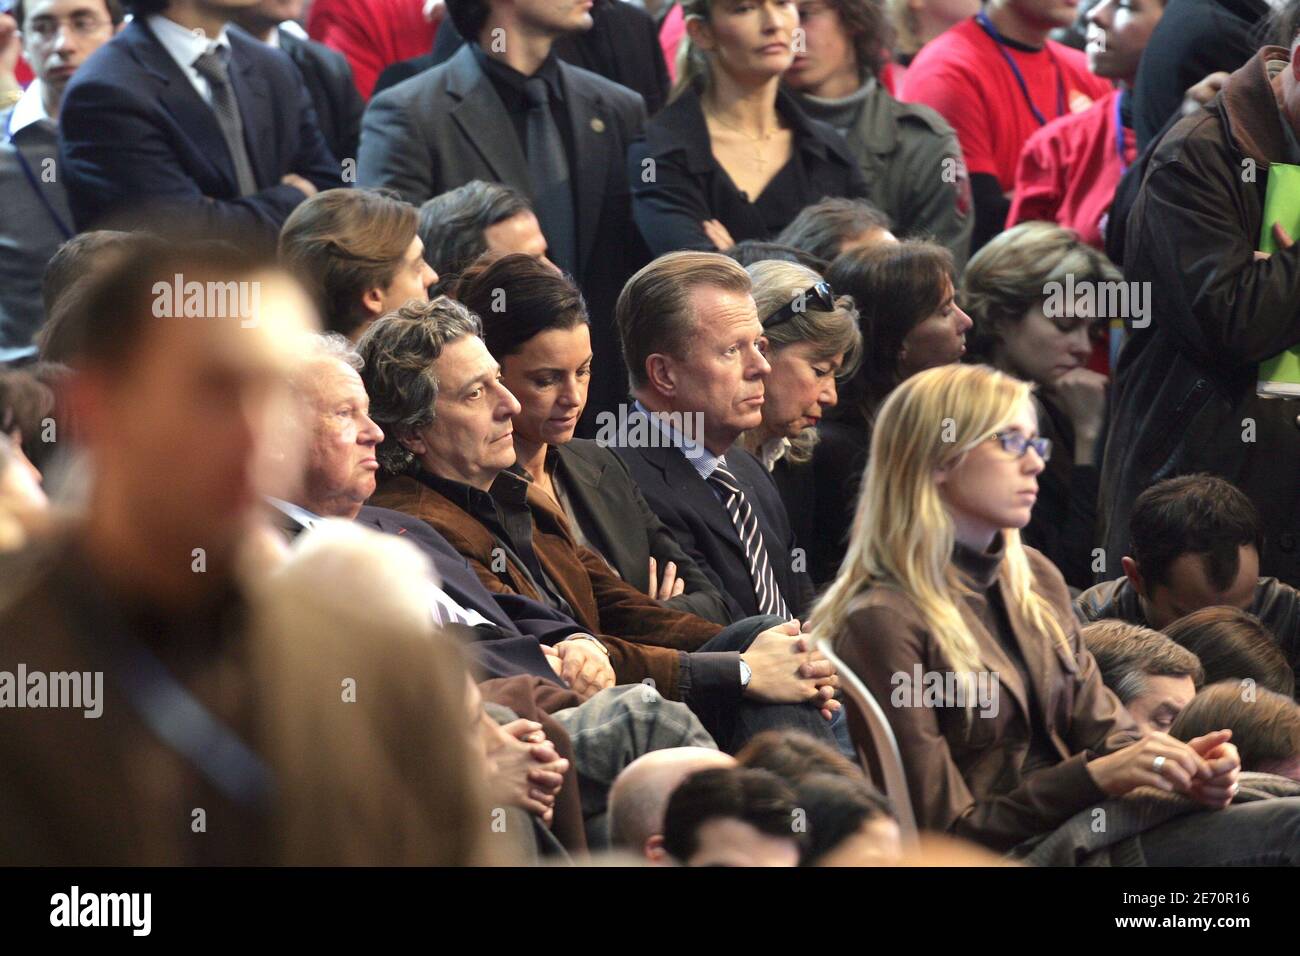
822 227
343 242
1233 644
793 755
870 31
1127 654
1265 726
653 314
895 286
517 297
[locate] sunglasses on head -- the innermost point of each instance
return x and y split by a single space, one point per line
819 298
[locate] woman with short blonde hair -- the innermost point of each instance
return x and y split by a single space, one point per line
968 641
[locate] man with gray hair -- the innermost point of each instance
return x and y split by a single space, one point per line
1153 677
460 225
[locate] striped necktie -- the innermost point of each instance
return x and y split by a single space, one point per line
751 539
214 67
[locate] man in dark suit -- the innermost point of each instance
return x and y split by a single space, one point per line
563 143
326 72
622 45
692 339
178 116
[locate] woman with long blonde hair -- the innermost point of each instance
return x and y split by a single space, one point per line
967 639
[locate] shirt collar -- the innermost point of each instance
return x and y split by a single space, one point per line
505 73
703 460
29 109
184 45
773 451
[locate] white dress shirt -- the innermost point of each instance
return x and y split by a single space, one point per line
186 46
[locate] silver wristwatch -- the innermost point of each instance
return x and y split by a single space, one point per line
745 674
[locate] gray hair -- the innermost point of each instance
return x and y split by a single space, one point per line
1127 654
823 227
452 224
777 284
399 351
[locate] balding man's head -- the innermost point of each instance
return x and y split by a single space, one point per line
640 795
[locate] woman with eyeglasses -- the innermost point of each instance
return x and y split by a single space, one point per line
967 639
1036 294
812 341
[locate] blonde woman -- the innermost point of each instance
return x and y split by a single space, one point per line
967 639
813 340
732 156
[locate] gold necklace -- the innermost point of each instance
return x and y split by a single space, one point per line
759 141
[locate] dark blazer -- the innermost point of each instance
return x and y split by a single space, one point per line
622 45
447 126
329 81
618 524
137 136
522 622
697 517
688 185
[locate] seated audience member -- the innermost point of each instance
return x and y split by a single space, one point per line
23 505
792 756
154 127
1022 328
910 322
1070 168
908 153
834 226
462 224
447 459
997 78
732 817
917 22
326 72
1194 542
511 635
506 109
358 253
1152 676
692 340
1232 644
757 250
1265 726
26 407
372 34
849 823
733 156
813 341
937 580
58 36
640 795
622 45
542 340
176 416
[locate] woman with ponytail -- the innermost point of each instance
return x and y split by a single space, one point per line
967 639
732 156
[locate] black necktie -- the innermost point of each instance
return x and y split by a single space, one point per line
214 68
766 589
548 168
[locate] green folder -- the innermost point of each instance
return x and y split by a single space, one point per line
1280 375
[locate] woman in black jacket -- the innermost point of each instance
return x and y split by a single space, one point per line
732 157
535 324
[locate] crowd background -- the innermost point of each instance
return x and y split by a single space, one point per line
496 431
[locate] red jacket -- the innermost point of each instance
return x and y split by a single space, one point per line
372 34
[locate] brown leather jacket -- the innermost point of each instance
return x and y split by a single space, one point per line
1009 771
649 635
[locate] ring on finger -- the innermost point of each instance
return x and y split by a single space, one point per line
1158 764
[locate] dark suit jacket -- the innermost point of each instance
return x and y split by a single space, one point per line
625 531
689 186
622 45
137 137
523 622
697 517
649 634
329 81
447 126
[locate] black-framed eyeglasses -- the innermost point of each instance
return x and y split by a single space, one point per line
1015 443
819 298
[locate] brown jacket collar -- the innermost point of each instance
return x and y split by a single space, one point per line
1250 109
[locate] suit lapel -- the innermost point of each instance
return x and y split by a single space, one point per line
683 479
594 131
482 119
177 96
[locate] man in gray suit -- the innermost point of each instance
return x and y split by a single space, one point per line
563 144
